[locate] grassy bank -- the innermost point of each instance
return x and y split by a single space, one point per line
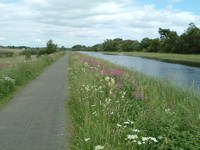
188 59
114 108
17 75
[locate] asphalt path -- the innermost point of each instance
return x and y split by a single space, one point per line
35 118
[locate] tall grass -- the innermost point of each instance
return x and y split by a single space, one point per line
19 74
114 108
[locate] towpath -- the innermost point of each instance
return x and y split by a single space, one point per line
35 118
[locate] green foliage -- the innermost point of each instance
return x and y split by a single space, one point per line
121 109
51 47
30 51
78 47
6 54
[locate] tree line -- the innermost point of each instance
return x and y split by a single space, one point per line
168 42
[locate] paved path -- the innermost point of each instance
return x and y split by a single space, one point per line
35 119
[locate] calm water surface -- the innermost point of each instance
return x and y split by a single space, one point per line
181 74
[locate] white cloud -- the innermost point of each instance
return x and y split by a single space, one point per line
2 38
87 22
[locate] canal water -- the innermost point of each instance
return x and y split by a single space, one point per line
184 75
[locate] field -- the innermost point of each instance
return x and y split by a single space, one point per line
17 71
11 50
113 108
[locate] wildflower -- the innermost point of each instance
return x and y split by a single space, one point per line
136 130
87 139
99 147
87 88
94 113
107 79
112 81
119 85
117 72
149 138
139 143
119 125
108 100
126 122
9 79
132 137
112 113
105 72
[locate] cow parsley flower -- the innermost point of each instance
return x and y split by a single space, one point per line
99 147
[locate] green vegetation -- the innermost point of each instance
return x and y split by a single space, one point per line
17 75
114 108
169 42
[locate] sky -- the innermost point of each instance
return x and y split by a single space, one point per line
88 22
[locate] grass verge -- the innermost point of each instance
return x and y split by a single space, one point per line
114 108
14 77
187 59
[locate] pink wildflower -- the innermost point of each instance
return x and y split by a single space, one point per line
119 85
117 72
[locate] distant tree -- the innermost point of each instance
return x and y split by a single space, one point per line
189 42
154 46
51 47
78 47
144 44
130 45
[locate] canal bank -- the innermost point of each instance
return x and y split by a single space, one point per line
186 76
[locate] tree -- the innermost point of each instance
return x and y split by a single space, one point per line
169 40
154 45
51 47
145 43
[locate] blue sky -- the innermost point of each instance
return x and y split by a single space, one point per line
88 22
184 5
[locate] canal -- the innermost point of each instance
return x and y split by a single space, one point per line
182 74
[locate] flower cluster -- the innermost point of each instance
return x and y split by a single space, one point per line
7 79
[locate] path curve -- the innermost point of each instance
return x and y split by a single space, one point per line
35 119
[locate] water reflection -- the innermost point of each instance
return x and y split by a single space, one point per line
181 74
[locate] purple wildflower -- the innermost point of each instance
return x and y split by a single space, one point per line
117 72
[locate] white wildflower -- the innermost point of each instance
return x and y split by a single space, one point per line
126 122
119 125
94 113
132 137
112 81
99 147
136 130
112 113
107 79
108 100
139 143
87 139
149 138
87 88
